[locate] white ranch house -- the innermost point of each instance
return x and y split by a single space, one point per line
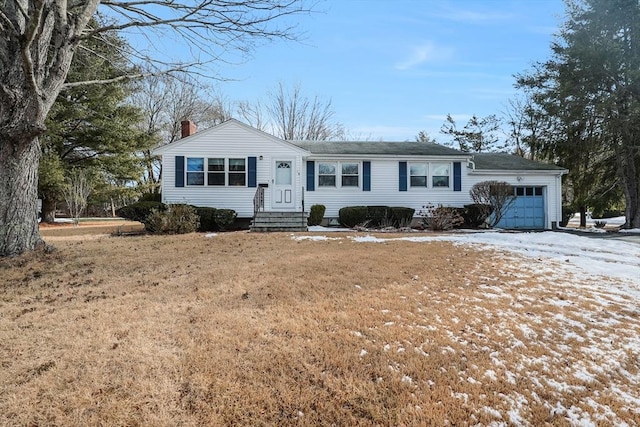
235 166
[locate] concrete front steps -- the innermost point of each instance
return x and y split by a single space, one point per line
279 221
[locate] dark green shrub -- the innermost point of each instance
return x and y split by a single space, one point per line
176 219
207 218
140 211
224 218
475 214
316 214
567 214
402 217
351 216
150 197
379 216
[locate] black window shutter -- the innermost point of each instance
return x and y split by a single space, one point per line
366 176
457 176
253 172
311 180
179 171
402 176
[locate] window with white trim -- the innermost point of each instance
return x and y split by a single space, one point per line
215 171
326 174
430 175
195 171
350 175
440 175
237 172
418 174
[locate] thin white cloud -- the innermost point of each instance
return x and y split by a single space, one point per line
472 16
426 52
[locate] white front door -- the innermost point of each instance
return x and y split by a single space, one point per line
282 195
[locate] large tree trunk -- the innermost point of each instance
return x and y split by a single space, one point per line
48 210
630 173
18 196
583 216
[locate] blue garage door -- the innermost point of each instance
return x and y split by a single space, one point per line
526 211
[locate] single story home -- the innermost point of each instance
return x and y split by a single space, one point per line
235 166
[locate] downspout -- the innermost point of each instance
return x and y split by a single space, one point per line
473 164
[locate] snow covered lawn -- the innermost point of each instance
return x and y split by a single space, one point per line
556 333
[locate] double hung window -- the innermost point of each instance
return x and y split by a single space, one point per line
237 172
195 171
430 175
327 174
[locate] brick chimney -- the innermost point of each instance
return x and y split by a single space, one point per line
188 128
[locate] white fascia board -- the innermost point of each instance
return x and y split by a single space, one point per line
409 158
517 172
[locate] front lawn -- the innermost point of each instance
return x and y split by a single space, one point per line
264 329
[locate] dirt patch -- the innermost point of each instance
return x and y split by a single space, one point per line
261 329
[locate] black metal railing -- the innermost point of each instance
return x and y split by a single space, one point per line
258 201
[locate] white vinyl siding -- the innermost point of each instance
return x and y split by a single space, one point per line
231 140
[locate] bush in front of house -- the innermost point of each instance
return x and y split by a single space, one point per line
350 216
207 217
379 216
475 215
150 197
316 215
441 218
376 216
176 219
224 218
213 219
401 216
139 211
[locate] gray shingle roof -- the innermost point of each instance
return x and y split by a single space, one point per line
378 148
505 161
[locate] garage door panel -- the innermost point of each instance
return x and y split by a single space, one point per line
526 211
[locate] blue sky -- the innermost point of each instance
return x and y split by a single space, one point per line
395 67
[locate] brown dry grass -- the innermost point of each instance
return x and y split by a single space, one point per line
86 228
260 329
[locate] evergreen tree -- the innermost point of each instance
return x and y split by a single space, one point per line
590 92
478 135
92 126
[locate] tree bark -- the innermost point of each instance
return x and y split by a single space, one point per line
583 216
48 211
18 196
630 174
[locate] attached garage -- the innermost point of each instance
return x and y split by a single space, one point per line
537 189
527 211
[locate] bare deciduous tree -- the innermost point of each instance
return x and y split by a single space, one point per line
292 115
38 40
494 198
76 192
166 101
